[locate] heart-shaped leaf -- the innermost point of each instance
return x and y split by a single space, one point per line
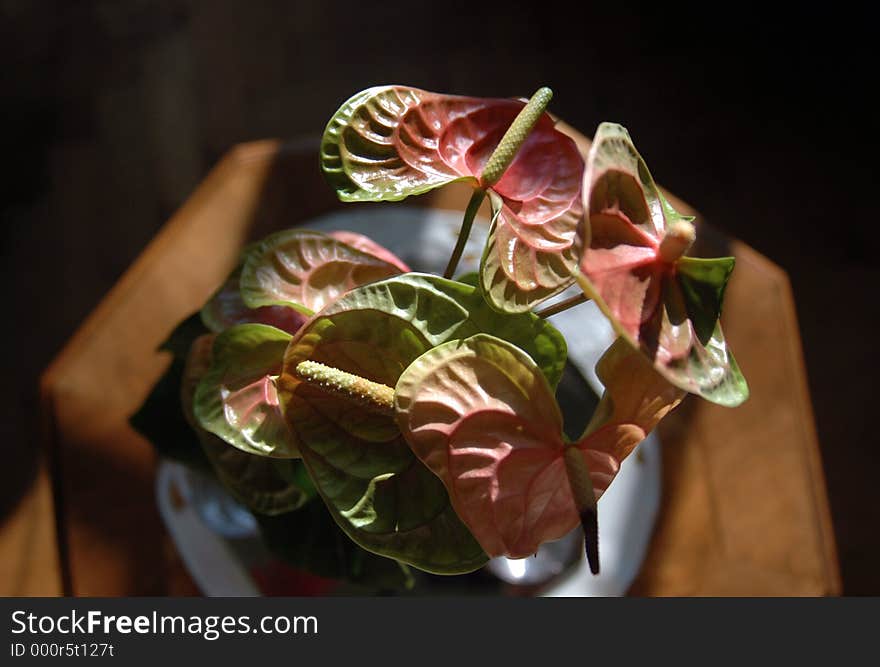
522 265
631 265
480 414
391 142
369 246
310 539
237 399
267 486
636 398
226 309
375 488
307 270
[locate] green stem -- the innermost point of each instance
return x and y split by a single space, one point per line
465 231
565 304
497 164
515 137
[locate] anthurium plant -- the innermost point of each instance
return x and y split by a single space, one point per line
398 419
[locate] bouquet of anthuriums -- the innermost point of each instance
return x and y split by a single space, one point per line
325 379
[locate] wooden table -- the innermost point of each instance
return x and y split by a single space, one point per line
744 507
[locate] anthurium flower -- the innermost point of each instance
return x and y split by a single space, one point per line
376 489
226 309
267 486
390 142
481 415
269 296
633 265
237 399
287 276
280 493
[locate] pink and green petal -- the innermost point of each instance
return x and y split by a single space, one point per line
668 310
237 399
482 417
370 247
267 486
226 309
524 264
618 185
358 459
636 398
392 142
307 270
480 414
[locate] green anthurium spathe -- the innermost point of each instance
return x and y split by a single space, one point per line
391 142
633 266
376 489
237 399
480 414
265 485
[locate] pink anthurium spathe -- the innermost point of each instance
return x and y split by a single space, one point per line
391 142
226 309
633 265
280 281
482 417
307 270
370 247
257 481
290 274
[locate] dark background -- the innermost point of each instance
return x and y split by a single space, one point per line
113 111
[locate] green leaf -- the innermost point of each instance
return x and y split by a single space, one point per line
375 488
709 370
309 539
265 485
306 270
703 282
237 399
538 338
471 278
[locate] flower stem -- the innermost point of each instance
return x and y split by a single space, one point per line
465 231
515 137
497 164
565 304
